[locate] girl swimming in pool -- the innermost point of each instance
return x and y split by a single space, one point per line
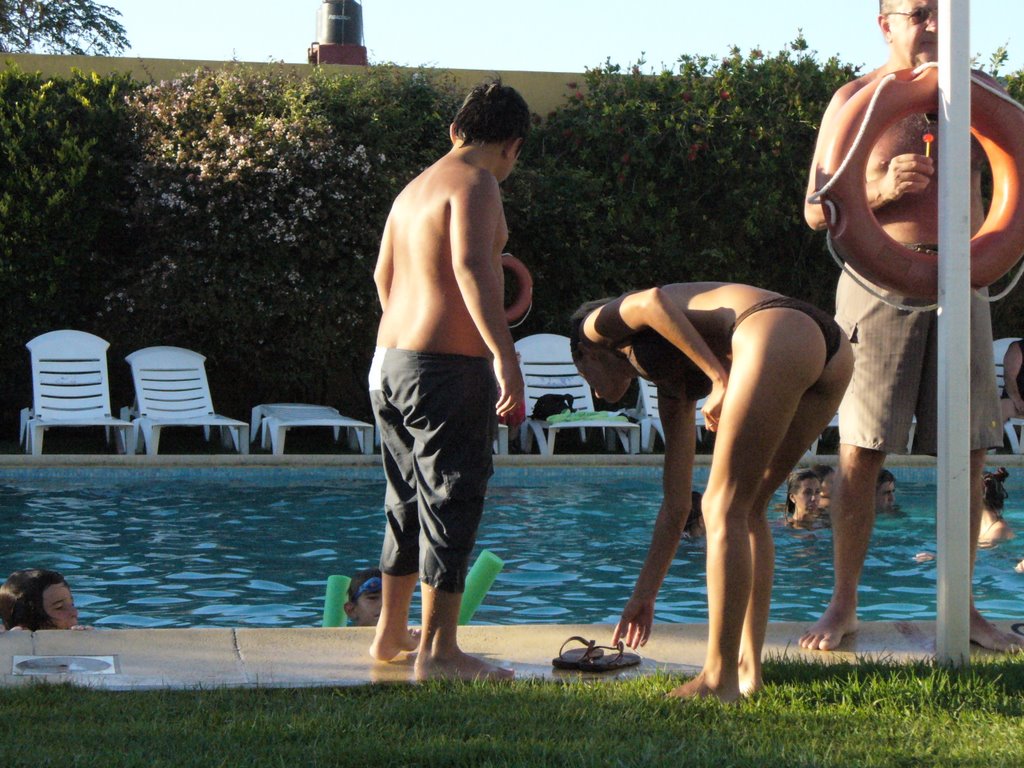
803 490
774 370
37 598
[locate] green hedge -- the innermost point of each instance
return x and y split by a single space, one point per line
237 212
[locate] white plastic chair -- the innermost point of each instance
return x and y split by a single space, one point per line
70 388
649 416
171 390
271 422
548 369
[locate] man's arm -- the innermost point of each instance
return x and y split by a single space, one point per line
1012 361
898 176
476 214
655 309
677 420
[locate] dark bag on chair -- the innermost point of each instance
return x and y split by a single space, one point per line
551 405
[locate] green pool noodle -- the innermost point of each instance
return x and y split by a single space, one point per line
479 580
334 601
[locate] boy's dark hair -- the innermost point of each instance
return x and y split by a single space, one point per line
823 470
885 476
696 513
492 113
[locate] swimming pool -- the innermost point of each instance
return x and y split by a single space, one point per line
223 547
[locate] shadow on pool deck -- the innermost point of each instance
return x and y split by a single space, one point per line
308 657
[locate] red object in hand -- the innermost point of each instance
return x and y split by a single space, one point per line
515 417
928 139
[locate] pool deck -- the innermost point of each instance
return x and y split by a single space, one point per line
147 659
309 657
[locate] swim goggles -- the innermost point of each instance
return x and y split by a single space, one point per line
372 584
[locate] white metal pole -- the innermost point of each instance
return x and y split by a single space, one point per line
952 641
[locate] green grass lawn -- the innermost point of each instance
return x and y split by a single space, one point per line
809 715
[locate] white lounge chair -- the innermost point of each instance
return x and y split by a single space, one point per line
171 390
649 415
834 424
548 369
271 422
1012 426
70 388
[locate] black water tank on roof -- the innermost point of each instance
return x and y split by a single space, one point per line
339 22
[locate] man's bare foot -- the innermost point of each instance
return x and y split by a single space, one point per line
698 688
988 635
459 666
828 632
386 647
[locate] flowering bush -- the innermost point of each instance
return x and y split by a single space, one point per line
238 212
258 203
692 174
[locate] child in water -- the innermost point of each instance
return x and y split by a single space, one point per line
36 599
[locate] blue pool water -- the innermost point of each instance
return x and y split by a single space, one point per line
254 546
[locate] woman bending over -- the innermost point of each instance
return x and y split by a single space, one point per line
774 370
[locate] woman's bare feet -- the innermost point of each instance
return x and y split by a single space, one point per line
988 635
750 679
386 646
828 632
699 688
458 666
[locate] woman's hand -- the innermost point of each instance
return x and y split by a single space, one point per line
712 409
634 628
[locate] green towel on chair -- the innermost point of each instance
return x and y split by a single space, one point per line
568 415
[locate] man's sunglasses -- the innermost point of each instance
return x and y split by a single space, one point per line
920 15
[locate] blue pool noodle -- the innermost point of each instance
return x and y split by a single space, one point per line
479 580
334 601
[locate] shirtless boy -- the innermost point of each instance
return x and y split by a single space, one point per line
894 376
444 370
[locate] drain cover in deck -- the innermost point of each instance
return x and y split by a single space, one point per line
63 665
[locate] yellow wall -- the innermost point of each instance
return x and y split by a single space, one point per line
543 91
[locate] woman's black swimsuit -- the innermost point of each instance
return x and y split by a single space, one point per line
676 375
830 330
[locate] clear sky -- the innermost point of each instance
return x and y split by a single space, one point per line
540 35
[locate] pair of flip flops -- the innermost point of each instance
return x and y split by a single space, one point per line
592 657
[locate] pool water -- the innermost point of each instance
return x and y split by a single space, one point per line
254 547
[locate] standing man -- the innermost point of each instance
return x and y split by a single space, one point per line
895 351
444 370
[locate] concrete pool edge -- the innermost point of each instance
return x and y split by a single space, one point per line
150 659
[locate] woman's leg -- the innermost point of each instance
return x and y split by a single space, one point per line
778 356
812 413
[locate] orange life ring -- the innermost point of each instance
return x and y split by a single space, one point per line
997 124
524 288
